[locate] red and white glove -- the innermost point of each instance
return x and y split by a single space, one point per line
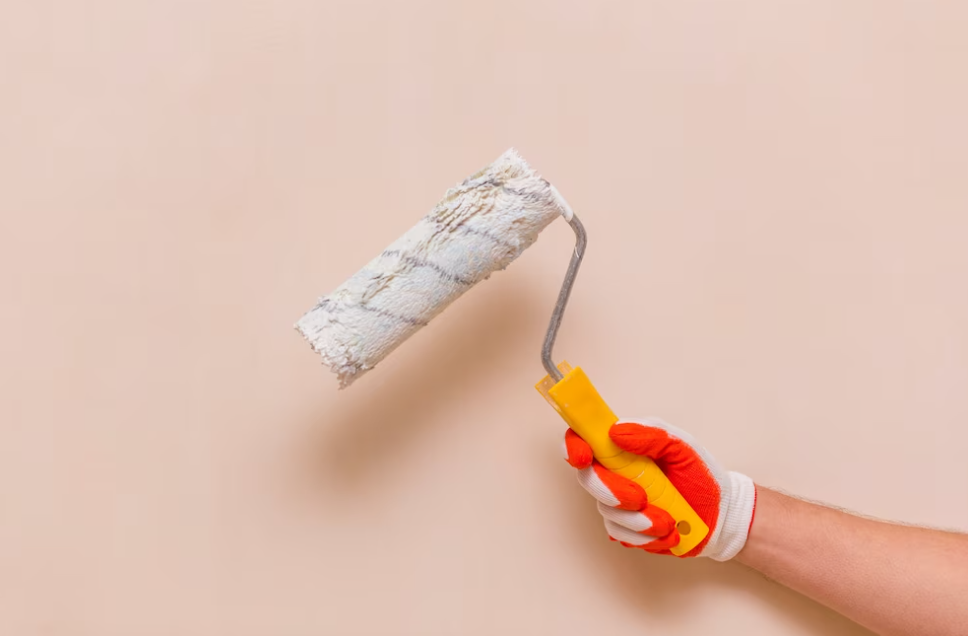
724 500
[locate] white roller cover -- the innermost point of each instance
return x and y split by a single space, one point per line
478 228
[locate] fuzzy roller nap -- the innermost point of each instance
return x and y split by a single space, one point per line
478 228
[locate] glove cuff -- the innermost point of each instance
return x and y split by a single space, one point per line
735 526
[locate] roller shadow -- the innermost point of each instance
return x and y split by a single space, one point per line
664 587
388 416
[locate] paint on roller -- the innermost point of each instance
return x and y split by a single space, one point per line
479 227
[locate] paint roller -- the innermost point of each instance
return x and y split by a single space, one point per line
478 228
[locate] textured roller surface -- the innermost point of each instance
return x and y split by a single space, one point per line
478 228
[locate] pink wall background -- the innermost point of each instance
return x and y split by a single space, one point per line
777 204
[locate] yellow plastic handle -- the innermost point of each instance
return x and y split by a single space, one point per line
586 413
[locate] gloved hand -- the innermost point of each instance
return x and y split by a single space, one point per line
724 500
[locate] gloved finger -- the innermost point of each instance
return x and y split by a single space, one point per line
651 520
660 442
632 539
625 536
577 452
662 545
611 489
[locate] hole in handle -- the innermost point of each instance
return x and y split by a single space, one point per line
683 527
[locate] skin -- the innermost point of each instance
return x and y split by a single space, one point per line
895 580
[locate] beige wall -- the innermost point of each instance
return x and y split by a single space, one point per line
777 204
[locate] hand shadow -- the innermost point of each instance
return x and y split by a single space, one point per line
664 587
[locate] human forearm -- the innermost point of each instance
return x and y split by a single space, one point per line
896 580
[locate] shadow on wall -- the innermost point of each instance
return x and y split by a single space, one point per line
393 425
664 587
389 413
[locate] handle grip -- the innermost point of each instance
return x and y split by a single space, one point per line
586 413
